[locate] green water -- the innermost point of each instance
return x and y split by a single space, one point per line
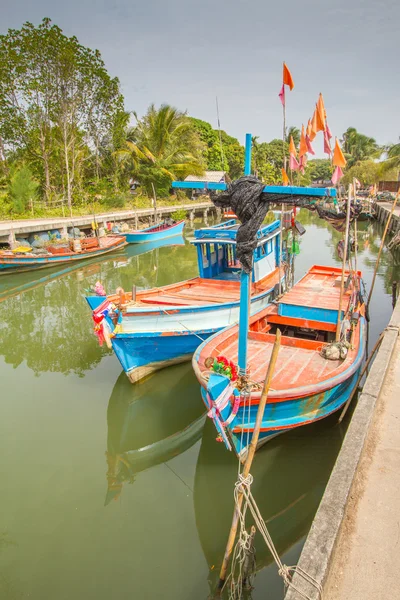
71 425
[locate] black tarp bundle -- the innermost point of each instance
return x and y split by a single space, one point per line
338 220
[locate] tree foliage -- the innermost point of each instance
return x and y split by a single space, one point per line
358 147
165 146
22 188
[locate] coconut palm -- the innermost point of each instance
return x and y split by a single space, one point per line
295 133
358 146
161 147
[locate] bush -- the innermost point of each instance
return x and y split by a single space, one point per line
179 214
117 201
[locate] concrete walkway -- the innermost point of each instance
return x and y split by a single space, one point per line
366 564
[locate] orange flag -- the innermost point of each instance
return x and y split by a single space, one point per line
338 157
292 147
319 119
287 77
321 107
314 126
303 144
309 128
285 177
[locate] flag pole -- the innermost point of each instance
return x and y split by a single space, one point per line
346 245
244 310
291 181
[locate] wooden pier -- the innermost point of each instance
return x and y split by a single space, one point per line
382 212
136 218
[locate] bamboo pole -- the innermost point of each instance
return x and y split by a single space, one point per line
381 247
249 458
280 251
346 244
155 204
365 367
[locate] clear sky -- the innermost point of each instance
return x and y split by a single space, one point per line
185 53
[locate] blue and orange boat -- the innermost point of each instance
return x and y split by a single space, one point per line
314 375
163 326
160 231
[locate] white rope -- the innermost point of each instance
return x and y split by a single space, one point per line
243 486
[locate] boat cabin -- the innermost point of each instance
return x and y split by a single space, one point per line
216 251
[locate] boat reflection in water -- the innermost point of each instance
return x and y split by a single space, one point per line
150 423
290 474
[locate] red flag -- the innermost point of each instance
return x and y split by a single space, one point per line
337 175
293 163
303 145
327 148
282 95
303 163
287 77
310 149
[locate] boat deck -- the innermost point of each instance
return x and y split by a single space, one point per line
196 292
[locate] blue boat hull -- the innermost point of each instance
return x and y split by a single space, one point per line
142 354
148 235
280 417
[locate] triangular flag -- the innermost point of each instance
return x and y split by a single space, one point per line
303 145
310 149
282 95
321 107
337 175
338 157
293 163
285 177
314 126
328 131
327 148
287 77
292 147
309 128
319 119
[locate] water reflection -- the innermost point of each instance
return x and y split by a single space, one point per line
290 474
150 423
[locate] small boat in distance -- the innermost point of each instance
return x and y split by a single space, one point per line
156 232
79 249
163 326
314 374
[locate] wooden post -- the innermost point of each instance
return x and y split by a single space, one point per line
280 251
155 204
346 244
249 458
381 247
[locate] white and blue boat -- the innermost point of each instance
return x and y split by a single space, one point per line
163 326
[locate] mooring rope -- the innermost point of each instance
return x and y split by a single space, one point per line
243 486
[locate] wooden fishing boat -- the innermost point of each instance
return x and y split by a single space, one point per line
148 425
12 262
95 300
307 385
163 326
154 233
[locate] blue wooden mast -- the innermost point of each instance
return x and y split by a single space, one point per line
245 279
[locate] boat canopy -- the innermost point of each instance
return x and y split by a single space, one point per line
216 251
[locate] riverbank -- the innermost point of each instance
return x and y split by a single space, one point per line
136 217
351 548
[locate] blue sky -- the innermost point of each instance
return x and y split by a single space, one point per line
185 53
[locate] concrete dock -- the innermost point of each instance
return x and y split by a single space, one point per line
136 217
382 211
353 547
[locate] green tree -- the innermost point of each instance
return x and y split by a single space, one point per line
22 189
319 168
56 102
295 133
166 146
358 146
391 166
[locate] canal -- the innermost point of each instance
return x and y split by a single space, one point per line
110 490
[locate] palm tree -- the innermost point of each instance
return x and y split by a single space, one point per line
163 146
358 146
391 166
295 133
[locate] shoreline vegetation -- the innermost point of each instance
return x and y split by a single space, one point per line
68 144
